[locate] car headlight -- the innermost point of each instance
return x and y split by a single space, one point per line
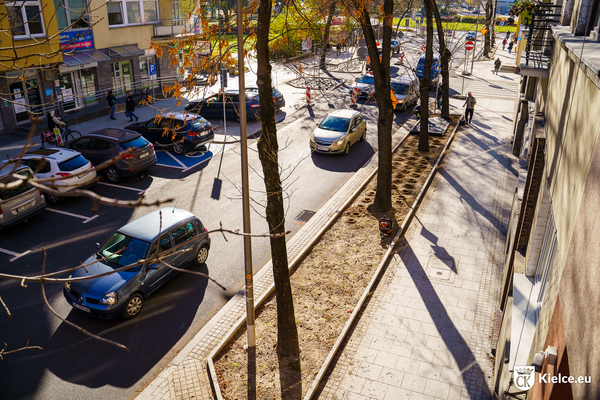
312 139
109 298
338 142
68 284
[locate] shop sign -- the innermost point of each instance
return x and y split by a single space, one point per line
76 40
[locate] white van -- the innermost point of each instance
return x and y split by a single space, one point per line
20 202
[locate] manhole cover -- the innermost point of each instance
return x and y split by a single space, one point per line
441 269
305 215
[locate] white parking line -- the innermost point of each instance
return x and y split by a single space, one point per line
122 187
83 217
12 253
176 160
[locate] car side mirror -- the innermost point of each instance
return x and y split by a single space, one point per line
97 246
153 266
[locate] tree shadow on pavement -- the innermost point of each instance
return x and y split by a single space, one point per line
456 345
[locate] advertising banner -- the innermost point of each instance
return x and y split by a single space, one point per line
76 40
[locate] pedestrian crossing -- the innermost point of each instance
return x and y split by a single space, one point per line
492 90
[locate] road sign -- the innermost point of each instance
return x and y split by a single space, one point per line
469 45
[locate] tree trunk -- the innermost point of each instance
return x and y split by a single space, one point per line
444 62
326 34
381 74
425 82
287 333
487 46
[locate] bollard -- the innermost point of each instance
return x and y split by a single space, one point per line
354 96
308 95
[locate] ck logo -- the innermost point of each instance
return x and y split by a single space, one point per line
524 377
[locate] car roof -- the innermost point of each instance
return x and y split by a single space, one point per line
435 57
403 79
346 113
148 226
52 153
180 115
114 133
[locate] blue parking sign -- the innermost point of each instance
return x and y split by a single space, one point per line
152 69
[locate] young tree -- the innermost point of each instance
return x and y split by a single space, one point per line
287 332
445 55
326 34
425 82
381 75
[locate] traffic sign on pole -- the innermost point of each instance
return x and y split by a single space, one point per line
469 45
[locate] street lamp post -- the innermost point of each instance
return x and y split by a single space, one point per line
250 326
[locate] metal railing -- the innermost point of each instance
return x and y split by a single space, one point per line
538 49
173 27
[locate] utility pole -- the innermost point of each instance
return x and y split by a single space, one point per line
476 30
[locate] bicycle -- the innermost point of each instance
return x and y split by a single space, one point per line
66 135
144 99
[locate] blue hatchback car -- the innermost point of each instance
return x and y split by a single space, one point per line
149 245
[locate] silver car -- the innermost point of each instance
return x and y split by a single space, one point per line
338 131
17 203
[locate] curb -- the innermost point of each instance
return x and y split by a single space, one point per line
292 264
378 272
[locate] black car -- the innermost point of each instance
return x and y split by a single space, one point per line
181 131
277 96
104 144
212 106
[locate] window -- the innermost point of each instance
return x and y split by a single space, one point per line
72 14
183 233
123 12
25 18
546 259
99 144
175 9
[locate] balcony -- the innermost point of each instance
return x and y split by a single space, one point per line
170 28
538 33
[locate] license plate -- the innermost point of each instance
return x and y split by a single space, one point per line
24 207
82 175
80 307
144 155
322 148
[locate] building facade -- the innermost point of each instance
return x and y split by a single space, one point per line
87 47
550 304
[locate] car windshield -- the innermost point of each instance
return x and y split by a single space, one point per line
366 79
331 123
400 88
139 142
6 194
73 163
121 250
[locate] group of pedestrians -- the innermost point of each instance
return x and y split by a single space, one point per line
130 104
509 41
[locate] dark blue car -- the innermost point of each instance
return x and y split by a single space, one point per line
141 252
435 70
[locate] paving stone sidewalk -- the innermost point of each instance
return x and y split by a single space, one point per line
426 332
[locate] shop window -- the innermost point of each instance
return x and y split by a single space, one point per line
72 14
123 12
25 19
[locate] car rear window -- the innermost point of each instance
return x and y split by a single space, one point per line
73 163
6 194
139 142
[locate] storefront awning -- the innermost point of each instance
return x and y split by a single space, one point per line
81 59
125 51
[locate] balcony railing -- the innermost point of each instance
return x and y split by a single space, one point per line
538 49
174 27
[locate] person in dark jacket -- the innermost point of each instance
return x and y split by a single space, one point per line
111 100
497 65
130 107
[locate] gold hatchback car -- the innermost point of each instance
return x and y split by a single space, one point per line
338 131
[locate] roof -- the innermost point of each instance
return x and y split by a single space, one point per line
148 226
344 113
114 133
54 153
403 79
180 115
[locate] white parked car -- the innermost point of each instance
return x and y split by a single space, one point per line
365 86
70 169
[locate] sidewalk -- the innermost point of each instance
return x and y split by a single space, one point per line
426 332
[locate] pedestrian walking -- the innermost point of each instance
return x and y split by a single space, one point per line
510 46
130 107
439 98
338 48
111 100
470 103
504 43
497 65
507 34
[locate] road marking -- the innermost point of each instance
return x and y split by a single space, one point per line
86 219
12 253
122 187
176 159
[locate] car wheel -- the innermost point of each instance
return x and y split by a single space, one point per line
113 175
201 255
364 136
347 149
133 307
179 148
52 199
